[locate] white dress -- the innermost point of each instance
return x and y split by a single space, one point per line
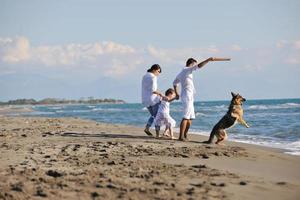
163 115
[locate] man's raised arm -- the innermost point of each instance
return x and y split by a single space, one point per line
200 65
212 59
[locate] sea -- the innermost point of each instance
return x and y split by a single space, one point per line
273 123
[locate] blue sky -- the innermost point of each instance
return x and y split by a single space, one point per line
73 49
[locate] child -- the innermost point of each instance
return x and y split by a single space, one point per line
163 114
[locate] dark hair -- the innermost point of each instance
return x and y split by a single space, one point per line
190 61
154 67
169 91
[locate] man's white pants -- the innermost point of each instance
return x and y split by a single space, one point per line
188 109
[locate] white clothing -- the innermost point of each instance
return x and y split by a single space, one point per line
163 115
149 85
185 78
188 110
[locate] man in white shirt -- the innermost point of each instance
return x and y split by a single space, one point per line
185 78
150 96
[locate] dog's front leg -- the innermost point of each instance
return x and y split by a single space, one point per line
243 122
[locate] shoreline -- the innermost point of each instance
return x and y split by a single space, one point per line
262 146
8 110
67 158
21 110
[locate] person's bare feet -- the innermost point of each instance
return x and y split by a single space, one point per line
181 139
185 136
166 135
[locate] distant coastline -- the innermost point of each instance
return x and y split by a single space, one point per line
54 101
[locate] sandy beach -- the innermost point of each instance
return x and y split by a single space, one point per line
69 158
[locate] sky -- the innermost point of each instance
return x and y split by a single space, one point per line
94 48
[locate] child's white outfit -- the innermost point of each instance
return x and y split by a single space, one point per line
163 115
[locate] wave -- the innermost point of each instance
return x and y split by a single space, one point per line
200 114
107 109
113 109
91 106
296 153
40 113
59 111
277 106
292 104
288 147
294 147
258 107
79 111
214 108
55 107
199 132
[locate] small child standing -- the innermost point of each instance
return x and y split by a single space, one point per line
163 114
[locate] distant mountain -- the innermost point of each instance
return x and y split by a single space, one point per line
51 101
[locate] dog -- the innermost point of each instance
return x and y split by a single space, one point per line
234 114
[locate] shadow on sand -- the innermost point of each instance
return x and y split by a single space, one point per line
124 136
105 135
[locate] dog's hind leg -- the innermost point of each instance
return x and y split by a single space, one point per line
211 136
222 135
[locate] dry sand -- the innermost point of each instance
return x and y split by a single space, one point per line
42 158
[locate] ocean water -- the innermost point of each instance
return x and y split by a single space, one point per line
274 123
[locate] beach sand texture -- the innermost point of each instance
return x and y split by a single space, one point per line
69 158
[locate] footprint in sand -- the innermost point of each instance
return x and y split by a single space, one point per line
243 183
17 187
40 192
54 173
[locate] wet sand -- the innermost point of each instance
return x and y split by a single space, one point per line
14 110
69 158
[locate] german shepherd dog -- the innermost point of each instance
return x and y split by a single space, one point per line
234 114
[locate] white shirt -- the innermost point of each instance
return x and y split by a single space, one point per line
164 108
149 85
185 77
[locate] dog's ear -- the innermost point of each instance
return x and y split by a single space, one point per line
233 94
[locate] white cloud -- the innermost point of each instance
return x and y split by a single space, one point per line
235 47
117 68
75 54
18 49
288 43
179 55
297 44
111 47
288 52
213 49
293 60
102 55
14 51
282 43
252 67
113 59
